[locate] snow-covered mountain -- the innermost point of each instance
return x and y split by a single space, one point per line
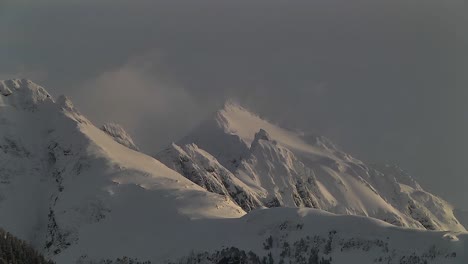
79 194
260 164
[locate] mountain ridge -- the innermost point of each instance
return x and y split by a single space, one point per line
279 167
79 196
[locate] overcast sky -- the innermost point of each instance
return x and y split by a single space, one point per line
386 80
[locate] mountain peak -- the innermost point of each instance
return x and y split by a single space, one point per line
235 119
232 106
8 87
262 135
22 93
291 168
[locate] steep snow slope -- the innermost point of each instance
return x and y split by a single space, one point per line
60 175
279 167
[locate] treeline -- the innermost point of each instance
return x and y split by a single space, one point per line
16 251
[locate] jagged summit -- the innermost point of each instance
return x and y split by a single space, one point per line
8 87
281 167
235 119
262 135
22 93
26 95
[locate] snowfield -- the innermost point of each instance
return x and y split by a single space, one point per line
80 194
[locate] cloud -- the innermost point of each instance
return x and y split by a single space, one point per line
143 101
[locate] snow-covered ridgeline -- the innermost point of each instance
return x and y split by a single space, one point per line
79 196
279 167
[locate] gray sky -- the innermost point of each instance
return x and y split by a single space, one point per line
386 80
